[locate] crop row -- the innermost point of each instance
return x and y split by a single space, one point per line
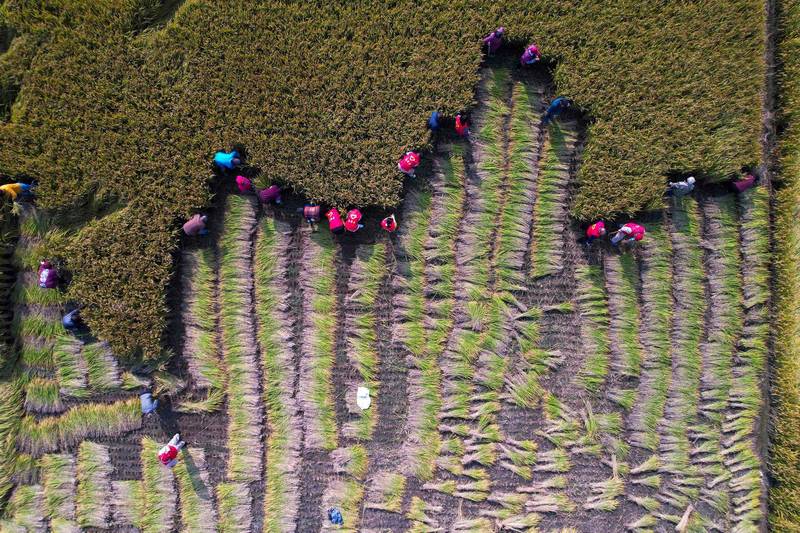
784 495
199 315
412 337
239 347
320 313
276 325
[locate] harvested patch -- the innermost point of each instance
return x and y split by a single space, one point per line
194 490
318 282
233 504
240 351
79 423
94 485
275 335
156 502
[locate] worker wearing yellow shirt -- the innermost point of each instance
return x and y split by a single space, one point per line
12 190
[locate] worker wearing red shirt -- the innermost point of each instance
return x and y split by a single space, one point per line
595 231
629 233
408 163
462 126
335 221
351 223
168 455
389 223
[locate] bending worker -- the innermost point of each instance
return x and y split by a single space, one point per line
12 190
494 40
557 106
595 231
531 55
408 163
628 234
168 455
682 188
227 160
196 225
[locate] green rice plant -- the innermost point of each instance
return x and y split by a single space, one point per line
550 209
26 508
472 525
238 342
418 511
233 506
386 491
201 321
367 273
10 415
446 487
622 276
37 326
346 495
94 483
594 312
155 507
101 367
42 395
423 345
194 490
211 403
275 325
655 337
126 495
605 494
71 367
689 321
131 381
36 359
321 315
80 422
58 480
35 295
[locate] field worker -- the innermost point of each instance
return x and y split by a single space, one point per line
168 455
408 163
462 126
352 222
531 55
389 223
311 213
743 183
595 231
494 40
48 275
270 194
629 233
227 160
433 121
557 106
12 190
335 516
244 184
682 188
335 221
196 225
147 403
72 320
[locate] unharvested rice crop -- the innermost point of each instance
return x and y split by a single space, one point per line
119 113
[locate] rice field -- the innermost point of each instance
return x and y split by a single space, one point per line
519 380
